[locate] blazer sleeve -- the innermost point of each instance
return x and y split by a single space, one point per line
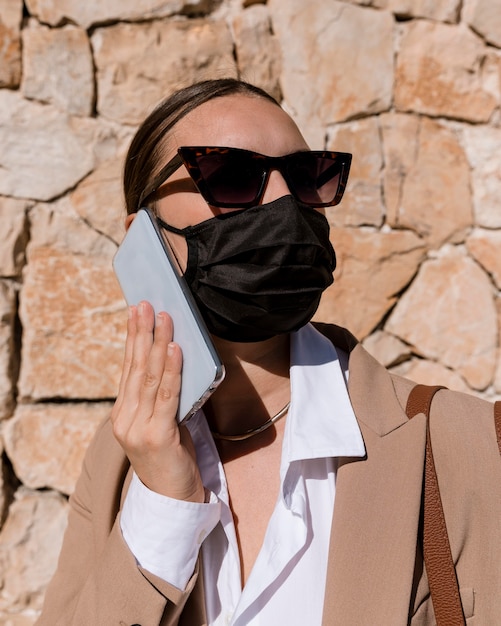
97 580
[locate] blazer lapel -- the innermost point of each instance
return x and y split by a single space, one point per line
376 514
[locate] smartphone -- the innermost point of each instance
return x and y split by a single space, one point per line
147 269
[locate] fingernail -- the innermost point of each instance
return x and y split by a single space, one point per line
170 349
159 320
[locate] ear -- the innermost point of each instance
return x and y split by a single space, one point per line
129 219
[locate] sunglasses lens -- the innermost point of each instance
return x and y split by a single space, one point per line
231 178
315 178
235 178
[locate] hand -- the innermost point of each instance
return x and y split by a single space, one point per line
144 416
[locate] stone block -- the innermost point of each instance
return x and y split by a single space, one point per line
445 70
99 200
329 73
484 16
11 15
45 152
8 358
484 246
58 68
30 541
497 380
86 14
481 144
497 377
71 309
23 617
362 202
138 65
439 10
257 49
426 372
386 348
448 315
426 179
46 442
372 268
15 236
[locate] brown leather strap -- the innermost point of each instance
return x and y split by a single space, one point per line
497 422
442 579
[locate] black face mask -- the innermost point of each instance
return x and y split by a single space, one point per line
259 272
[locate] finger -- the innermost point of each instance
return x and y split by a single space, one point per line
141 340
144 330
141 345
167 396
129 341
156 360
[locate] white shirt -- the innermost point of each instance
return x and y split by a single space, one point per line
287 582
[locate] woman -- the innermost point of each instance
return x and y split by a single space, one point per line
229 519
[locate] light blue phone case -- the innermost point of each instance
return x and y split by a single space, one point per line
147 270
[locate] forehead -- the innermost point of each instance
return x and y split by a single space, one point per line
239 121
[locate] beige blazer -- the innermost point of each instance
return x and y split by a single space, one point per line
375 575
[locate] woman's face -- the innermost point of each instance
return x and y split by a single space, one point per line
236 121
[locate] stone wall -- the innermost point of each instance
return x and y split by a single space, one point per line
411 87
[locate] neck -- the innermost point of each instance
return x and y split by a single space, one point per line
256 386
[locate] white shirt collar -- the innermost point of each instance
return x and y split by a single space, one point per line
321 421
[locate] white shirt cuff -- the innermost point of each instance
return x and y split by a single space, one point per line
164 534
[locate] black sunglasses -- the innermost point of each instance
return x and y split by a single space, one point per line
235 178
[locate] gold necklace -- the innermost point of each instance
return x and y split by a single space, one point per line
253 431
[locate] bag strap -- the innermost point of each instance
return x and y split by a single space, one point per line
442 579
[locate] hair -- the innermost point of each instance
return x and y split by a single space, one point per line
143 159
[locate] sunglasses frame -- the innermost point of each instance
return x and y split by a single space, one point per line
188 155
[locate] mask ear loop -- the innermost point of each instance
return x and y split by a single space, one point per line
174 230
192 249
168 227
